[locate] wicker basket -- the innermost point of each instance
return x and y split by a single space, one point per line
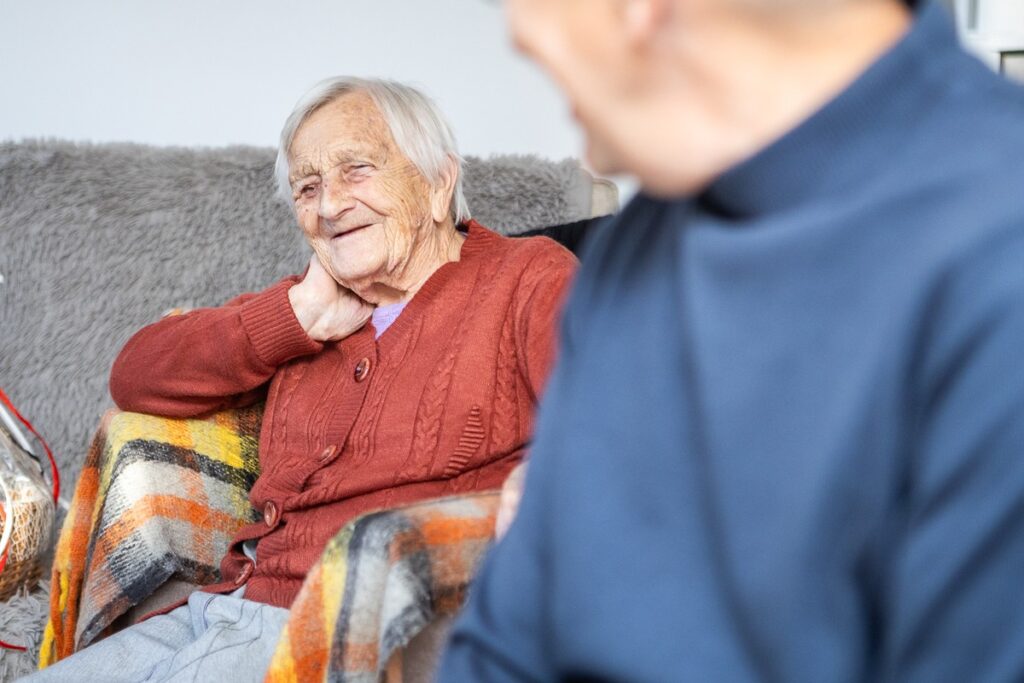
25 496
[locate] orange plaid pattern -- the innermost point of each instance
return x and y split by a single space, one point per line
381 579
157 498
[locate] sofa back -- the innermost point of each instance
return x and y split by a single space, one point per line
98 240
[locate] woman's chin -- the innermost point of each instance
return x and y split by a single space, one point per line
352 275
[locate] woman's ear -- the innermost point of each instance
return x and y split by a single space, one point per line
441 194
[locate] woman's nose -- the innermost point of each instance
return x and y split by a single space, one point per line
335 200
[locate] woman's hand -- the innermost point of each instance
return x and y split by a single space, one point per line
325 309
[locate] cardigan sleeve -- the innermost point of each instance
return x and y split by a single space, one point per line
210 359
543 290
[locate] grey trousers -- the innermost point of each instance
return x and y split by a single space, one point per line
212 638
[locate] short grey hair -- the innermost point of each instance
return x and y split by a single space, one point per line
419 129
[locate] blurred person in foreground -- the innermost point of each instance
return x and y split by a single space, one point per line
403 365
785 440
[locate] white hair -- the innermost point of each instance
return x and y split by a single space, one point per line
419 129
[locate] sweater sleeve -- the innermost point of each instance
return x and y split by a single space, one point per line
210 359
954 608
543 290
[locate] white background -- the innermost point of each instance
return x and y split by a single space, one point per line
997 19
991 26
218 72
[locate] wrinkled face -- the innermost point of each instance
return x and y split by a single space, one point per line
578 43
362 205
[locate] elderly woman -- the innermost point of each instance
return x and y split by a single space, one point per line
404 364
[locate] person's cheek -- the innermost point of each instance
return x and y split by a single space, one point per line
408 210
369 194
323 255
309 224
412 197
309 221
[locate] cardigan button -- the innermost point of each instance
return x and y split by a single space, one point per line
246 572
270 513
362 370
328 453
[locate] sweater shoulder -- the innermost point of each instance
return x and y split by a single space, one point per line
530 248
521 254
956 176
973 128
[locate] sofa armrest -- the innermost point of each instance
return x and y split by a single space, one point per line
158 500
604 198
382 579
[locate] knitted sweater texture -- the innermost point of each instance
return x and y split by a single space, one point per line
442 403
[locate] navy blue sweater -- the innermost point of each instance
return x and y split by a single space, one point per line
785 440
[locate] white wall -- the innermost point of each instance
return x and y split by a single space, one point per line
998 18
989 27
217 72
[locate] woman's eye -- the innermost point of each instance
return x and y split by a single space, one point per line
307 190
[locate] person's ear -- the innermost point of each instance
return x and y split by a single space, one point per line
643 18
441 194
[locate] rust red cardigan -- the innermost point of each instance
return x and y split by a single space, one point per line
442 403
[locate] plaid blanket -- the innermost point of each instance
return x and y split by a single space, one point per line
381 579
160 498
157 498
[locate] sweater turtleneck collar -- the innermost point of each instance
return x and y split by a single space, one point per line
839 144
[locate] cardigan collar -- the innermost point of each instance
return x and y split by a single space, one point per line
479 240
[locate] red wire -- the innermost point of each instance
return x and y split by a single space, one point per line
49 454
56 489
